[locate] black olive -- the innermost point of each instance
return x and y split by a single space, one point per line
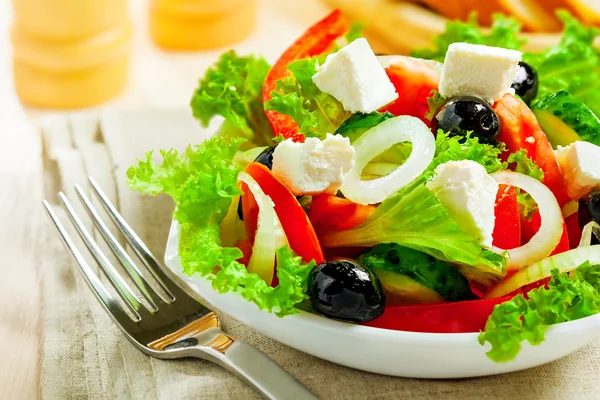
526 82
468 113
589 210
266 159
346 290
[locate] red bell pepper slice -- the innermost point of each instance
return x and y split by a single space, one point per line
530 228
520 130
250 212
564 244
414 80
457 317
332 213
296 225
316 40
246 247
507 230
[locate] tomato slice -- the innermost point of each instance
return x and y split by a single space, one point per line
316 40
414 80
520 130
457 317
574 229
296 225
507 230
331 213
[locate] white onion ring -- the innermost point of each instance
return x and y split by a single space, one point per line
547 238
376 141
269 232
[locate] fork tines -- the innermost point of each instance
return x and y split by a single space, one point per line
133 303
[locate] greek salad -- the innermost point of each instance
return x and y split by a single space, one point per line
455 190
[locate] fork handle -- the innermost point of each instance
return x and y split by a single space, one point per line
258 370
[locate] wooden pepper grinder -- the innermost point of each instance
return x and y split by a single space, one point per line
200 24
70 53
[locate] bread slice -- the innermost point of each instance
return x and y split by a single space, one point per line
453 9
404 26
587 10
552 5
532 15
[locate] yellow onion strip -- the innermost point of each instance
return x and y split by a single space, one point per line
564 262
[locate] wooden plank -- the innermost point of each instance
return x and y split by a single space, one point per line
21 188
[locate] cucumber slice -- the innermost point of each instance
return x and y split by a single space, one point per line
359 123
403 266
565 119
401 290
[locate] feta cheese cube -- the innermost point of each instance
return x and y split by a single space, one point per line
314 166
469 194
477 70
354 76
580 164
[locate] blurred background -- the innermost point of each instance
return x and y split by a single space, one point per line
70 54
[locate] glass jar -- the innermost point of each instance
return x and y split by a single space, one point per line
200 24
70 53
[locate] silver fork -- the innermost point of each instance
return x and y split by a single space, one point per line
173 325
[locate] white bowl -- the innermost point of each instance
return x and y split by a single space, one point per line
397 353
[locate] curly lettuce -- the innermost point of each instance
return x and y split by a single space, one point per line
523 164
202 181
232 88
527 319
316 113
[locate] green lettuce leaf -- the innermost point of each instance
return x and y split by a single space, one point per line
503 33
232 88
316 113
573 65
521 319
525 165
203 182
435 101
456 148
415 218
356 31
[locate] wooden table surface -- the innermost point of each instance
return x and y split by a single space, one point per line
157 79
